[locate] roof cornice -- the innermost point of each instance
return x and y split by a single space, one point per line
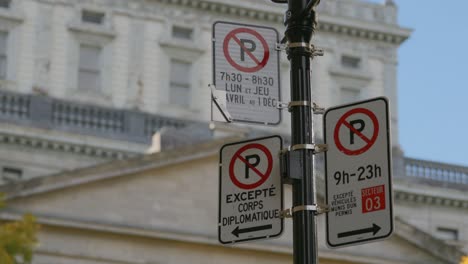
274 14
374 31
430 199
65 147
391 34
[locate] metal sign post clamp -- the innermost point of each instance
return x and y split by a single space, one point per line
298 103
316 148
317 109
298 45
317 209
315 51
281 46
289 156
282 105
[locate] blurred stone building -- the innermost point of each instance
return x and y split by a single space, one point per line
88 87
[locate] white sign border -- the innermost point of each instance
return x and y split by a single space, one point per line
389 156
220 198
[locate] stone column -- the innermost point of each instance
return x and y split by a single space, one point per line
59 51
120 60
391 92
153 76
25 67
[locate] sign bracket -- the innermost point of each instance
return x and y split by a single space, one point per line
317 148
317 209
299 103
281 46
215 94
310 48
316 109
289 160
282 105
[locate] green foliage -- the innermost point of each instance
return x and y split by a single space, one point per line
17 239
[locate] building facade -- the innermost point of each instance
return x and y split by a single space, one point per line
85 83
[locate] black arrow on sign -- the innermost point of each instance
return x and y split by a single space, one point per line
374 229
238 231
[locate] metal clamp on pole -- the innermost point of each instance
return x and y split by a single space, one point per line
315 51
298 45
290 165
315 108
285 165
285 213
316 148
282 105
281 46
318 110
317 209
303 146
298 103
319 148
285 150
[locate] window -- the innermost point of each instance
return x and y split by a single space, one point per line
349 95
182 33
5 3
3 54
89 68
350 62
92 17
447 233
10 174
179 93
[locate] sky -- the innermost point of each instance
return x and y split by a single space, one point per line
433 80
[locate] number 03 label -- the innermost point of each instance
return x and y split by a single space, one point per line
373 199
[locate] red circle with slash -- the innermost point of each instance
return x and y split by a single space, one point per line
259 64
369 141
263 176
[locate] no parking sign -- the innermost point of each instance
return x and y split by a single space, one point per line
250 190
358 173
246 74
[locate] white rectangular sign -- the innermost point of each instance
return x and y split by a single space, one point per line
358 173
250 190
245 74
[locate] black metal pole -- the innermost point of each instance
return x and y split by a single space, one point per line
300 22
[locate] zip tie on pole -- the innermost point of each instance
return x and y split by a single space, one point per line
299 103
299 45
